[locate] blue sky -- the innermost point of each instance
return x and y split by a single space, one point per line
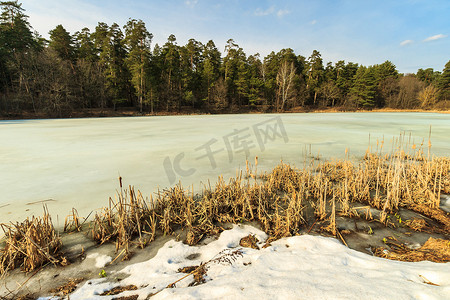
411 33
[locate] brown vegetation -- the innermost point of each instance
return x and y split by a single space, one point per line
119 289
283 200
437 250
30 244
249 241
67 288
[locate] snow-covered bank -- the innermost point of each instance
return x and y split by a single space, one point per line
298 267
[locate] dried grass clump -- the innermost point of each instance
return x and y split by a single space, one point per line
119 289
130 216
123 219
30 244
249 241
72 222
67 288
436 250
388 182
416 224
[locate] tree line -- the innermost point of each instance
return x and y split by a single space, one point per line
116 66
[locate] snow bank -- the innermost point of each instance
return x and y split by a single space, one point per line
100 259
300 267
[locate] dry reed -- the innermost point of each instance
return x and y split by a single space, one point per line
436 250
278 201
30 244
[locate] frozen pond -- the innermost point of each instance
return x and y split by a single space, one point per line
76 162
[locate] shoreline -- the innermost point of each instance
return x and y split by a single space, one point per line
128 112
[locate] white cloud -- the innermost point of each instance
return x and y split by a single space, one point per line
191 3
260 13
271 11
282 12
406 42
435 37
313 22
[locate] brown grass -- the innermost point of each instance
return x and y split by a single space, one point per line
436 250
67 288
30 244
72 222
119 289
249 241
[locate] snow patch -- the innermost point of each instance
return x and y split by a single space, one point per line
302 267
100 259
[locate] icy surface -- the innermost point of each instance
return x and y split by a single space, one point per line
69 163
300 267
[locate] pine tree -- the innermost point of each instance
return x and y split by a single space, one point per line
137 40
211 67
191 71
15 31
386 79
62 43
170 55
444 83
155 78
84 45
314 74
428 76
364 89
112 60
234 65
16 39
256 83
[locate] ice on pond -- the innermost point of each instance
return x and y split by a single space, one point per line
67 163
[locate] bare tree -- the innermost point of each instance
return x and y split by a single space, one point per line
429 96
329 93
409 88
388 89
285 79
219 94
